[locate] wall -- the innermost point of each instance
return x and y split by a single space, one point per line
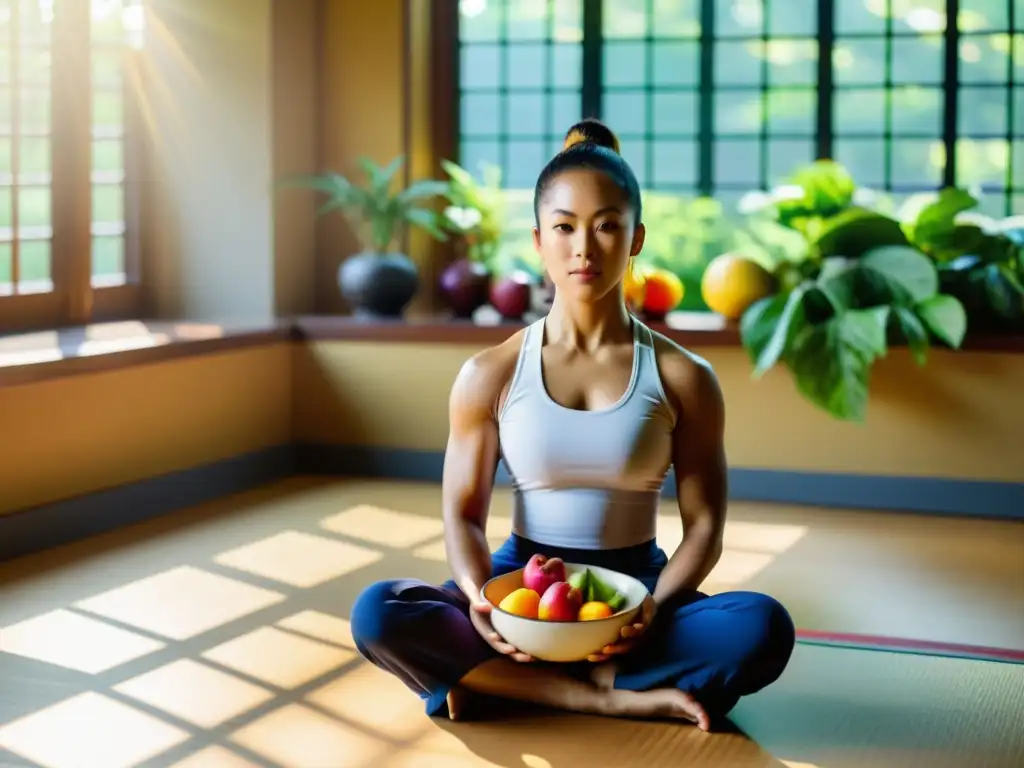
954 418
362 113
207 241
70 436
234 94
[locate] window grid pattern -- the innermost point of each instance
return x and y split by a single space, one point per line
989 141
723 96
109 38
651 83
25 215
763 92
520 84
889 120
26 142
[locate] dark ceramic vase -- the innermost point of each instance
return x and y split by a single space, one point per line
465 285
378 285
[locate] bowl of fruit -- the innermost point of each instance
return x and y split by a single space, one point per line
562 612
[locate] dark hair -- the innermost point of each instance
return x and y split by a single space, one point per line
591 144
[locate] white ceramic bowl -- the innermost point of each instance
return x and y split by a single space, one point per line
562 641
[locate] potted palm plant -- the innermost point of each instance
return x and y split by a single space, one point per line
377 282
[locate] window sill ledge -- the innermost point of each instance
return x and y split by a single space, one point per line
694 329
33 357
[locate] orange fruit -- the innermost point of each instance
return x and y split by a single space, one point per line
522 602
663 291
731 283
634 288
594 610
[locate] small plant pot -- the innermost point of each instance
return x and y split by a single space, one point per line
378 285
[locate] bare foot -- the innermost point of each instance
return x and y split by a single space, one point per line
602 675
458 699
661 702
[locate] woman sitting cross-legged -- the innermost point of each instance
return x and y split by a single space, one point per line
589 409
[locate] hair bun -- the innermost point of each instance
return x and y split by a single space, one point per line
591 131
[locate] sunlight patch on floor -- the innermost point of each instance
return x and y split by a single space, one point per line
279 658
195 693
749 548
215 757
299 559
180 603
374 700
499 528
358 715
384 526
89 729
69 640
320 626
437 749
296 736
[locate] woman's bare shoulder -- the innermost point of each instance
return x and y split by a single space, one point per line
688 378
483 377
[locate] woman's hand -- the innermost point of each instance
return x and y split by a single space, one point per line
629 634
480 615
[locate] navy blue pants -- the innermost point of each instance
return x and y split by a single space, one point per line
716 648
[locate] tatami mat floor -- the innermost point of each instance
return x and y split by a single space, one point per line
217 637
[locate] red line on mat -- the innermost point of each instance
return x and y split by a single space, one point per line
882 641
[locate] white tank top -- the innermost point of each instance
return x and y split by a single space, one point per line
586 479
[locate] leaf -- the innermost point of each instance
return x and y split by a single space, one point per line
426 220
380 178
458 174
945 317
938 216
855 231
831 362
912 331
828 185
1004 293
336 186
848 284
837 282
772 326
420 190
906 268
758 324
789 324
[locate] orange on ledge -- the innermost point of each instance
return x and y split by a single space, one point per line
594 610
663 292
731 283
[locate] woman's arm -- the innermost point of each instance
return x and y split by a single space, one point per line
471 458
701 469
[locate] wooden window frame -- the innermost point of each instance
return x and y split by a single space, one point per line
74 301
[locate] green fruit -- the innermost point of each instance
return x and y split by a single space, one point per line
605 593
581 581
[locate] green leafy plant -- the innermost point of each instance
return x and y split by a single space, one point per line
477 210
980 259
830 329
378 210
863 283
